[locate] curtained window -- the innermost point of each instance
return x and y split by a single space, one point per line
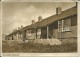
64 25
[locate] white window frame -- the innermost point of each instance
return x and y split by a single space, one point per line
59 26
64 27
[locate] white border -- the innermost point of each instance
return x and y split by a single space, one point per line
50 54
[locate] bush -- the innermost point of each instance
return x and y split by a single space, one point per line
39 48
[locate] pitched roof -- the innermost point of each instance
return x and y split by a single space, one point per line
53 18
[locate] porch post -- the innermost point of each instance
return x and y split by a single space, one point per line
36 32
12 37
47 32
21 37
41 34
17 36
24 35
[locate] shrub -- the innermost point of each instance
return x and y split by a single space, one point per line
39 48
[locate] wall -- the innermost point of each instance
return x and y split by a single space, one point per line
30 34
38 33
66 34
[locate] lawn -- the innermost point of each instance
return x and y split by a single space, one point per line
38 48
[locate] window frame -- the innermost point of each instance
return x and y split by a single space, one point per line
63 26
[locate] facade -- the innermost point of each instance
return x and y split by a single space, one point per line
62 25
3 37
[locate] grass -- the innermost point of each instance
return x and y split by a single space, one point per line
38 48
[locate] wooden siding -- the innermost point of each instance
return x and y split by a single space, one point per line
74 20
44 32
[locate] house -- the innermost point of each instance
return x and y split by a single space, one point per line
3 37
62 25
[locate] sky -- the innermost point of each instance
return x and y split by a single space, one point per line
15 14
37 0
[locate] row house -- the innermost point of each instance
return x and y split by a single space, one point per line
61 25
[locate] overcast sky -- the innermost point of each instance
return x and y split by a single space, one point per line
36 0
15 14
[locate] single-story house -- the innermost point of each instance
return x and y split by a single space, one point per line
62 25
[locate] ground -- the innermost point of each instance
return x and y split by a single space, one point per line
38 48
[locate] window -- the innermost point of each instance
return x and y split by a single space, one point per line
68 24
64 25
59 26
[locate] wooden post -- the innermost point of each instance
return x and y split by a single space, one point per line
47 32
24 35
17 36
41 34
12 37
36 32
21 36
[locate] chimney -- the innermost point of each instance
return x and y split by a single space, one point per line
18 28
33 21
14 30
39 18
58 10
21 26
